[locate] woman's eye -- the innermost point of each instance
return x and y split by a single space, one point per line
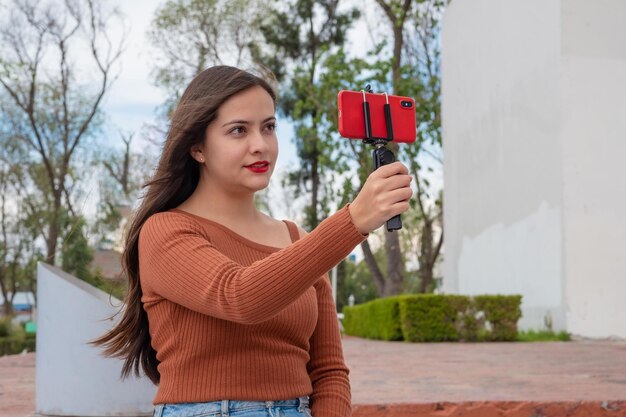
271 126
238 130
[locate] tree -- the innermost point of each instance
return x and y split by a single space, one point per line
124 171
299 36
412 70
76 253
16 242
57 106
396 12
9 254
358 282
422 80
194 34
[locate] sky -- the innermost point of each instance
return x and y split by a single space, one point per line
133 99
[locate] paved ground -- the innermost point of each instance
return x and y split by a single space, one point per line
443 379
397 372
17 385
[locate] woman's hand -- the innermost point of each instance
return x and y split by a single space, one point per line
386 192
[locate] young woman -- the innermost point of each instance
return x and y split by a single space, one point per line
230 311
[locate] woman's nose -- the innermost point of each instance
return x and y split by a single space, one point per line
258 143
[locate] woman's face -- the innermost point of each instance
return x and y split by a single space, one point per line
242 135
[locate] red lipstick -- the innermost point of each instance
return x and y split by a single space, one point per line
259 166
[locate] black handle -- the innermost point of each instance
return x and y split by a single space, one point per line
383 156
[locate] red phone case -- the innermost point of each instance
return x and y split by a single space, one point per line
352 121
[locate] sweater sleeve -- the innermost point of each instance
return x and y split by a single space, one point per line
331 395
177 262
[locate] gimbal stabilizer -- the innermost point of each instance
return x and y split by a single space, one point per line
381 155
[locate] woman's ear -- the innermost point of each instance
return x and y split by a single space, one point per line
196 153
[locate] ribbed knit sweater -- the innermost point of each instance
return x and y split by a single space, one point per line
234 319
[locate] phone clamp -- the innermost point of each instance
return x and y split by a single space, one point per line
381 154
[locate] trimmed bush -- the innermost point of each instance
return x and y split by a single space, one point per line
376 319
14 345
5 327
502 313
430 317
436 318
13 338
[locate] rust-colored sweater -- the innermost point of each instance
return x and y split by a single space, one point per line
233 319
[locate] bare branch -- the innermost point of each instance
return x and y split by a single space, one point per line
437 158
105 83
68 201
55 113
415 173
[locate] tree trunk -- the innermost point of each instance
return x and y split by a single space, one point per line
8 308
426 278
315 183
371 263
53 234
8 301
342 297
395 267
397 54
426 257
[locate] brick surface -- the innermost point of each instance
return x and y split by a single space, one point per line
400 372
17 385
495 409
398 379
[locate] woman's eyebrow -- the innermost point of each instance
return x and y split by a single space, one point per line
245 122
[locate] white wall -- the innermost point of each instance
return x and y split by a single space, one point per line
532 140
593 83
72 378
502 168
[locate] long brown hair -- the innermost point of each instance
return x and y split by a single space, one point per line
175 179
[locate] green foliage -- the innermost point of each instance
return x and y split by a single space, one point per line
13 338
543 336
117 289
15 345
77 257
192 35
297 47
431 318
357 281
377 319
436 318
55 114
76 252
502 312
5 327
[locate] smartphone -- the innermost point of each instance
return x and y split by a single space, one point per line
352 120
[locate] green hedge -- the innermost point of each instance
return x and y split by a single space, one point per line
14 339
431 318
436 318
5 327
14 345
502 313
377 319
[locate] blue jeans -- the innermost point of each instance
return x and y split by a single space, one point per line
298 407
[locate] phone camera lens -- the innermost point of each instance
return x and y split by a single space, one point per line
407 104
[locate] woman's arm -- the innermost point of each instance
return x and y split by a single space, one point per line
328 372
177 262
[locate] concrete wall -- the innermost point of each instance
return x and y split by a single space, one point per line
593 83
521 164
72 378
